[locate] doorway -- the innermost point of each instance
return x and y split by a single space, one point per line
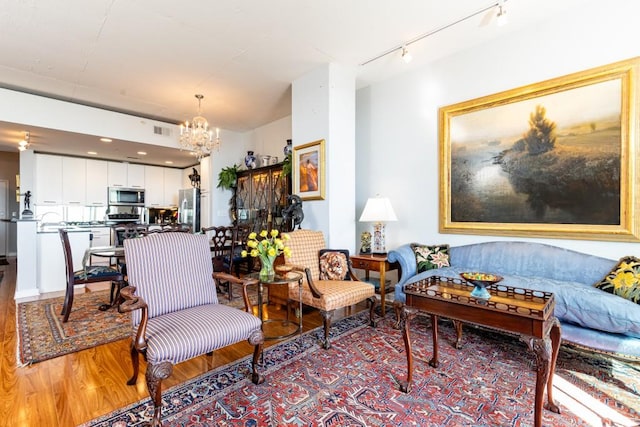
4 215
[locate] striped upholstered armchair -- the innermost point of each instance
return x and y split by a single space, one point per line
330 282
175 310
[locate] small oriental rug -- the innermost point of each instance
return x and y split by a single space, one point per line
489 382
42 335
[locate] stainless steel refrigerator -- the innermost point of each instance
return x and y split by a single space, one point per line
189 208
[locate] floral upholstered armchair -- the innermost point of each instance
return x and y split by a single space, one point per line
175 310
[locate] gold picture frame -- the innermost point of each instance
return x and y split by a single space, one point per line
308 169
556 159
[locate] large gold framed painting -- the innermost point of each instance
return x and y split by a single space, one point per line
553 159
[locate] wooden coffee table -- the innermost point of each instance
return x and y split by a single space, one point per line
524 312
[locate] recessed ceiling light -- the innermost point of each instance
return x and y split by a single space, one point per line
169 162
142 153
93 153
106 139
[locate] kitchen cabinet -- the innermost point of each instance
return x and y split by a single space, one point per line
260 196
97 181
135 176
48 185
162 185
172 183
154 190
74 175
126 175
117 174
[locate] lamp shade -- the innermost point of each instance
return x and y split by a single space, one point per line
378 209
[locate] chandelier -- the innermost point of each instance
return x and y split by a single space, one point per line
197 137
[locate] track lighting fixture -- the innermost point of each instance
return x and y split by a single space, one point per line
406 55
501 16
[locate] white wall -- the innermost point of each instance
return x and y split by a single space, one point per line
396 121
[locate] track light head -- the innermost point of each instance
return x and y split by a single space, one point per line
406 55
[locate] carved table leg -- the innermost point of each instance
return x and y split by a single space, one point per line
458 326
556 335
542 348
434 327
406 314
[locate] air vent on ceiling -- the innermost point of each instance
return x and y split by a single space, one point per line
159 130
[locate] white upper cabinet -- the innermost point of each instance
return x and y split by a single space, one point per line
48 186
135 176
117 174
154 186
172 183
97 182
74 175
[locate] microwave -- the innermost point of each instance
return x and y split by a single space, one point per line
119 196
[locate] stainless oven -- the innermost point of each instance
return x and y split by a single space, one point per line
119 196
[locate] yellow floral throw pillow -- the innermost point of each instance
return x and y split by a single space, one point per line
623 280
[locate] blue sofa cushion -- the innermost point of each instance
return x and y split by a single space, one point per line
429 257
623 280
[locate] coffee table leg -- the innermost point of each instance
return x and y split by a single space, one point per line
434 327
543 352
406 314
556 335
458 326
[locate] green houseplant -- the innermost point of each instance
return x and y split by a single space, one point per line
228 177
286 165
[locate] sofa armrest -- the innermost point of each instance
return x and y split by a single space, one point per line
404 256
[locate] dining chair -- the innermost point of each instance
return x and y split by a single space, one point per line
90 274
221 246
241 236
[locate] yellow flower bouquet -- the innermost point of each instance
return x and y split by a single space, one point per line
267 246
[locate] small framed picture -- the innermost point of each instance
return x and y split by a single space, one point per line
309 170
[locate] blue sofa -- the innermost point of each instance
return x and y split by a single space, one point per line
589 316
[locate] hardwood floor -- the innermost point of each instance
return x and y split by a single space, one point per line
69 390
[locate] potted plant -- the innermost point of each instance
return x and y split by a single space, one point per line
286 165
228 177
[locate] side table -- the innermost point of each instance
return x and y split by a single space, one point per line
379 263
279 280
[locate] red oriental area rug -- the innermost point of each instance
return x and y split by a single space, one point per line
489 382
42 335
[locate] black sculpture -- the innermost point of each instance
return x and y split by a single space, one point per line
195 178
293 212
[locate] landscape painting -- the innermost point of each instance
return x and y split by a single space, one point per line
548 159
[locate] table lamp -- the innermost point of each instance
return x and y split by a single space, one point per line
378 210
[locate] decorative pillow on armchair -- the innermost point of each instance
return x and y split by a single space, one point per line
334 264
623 280
429 257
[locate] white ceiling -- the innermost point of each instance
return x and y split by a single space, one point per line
150 57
